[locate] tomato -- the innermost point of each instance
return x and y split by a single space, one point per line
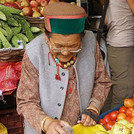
107 118
102 122
132 120
121 116
109 125
128 103
132 113
129 111
113 115
122 109
128 118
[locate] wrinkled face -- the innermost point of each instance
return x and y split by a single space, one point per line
64 47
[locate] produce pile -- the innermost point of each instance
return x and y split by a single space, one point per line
14 28
32 8
120 121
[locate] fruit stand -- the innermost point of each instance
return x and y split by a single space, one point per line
15 33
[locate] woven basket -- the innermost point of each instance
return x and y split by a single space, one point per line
37 22
11 54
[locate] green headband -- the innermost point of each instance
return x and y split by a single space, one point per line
66 24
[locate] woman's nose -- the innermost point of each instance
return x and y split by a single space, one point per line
65 52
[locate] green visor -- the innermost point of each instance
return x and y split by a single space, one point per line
67 26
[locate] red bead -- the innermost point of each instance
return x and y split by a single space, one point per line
60 64
74 58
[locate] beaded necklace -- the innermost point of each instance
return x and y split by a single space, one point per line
65 65
62 65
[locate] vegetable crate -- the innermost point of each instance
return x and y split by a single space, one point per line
12 121
107 112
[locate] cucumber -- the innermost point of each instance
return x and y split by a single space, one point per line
9 9
35 29
5 42
2 16
15 41
3 31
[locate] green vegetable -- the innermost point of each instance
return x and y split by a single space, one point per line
2 16
35 29
3 31
8 30
5 42
17 29
9 9
23 37
15 41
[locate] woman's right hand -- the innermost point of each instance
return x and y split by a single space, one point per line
53 126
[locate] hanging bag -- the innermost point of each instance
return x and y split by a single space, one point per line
101 37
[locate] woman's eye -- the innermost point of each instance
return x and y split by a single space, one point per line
58 46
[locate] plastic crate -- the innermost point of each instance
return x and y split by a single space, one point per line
12 121
113 109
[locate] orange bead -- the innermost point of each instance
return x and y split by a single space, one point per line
74 58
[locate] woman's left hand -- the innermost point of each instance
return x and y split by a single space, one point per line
86 120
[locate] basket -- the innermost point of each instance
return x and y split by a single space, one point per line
12 121
11 54
36 22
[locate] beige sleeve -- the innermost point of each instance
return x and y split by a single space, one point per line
28 101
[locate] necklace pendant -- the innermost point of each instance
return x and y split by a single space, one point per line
57 77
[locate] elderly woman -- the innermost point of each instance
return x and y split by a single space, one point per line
63 74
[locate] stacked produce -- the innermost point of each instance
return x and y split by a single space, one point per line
14 28
32 8
120 121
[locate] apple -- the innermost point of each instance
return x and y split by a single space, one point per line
2 1
13 5
19 4
51 1
10 1
24 3
36 14
27 11
44 3
39 1
35 9
41 11
34 3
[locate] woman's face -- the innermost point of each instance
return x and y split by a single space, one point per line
64 46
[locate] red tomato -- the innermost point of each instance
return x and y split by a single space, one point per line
121 116
113 115
128 103
107 118
109 125
128 118
132 113
129 111
102 122
122 109
132 120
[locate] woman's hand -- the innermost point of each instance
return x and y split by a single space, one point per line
53 126
86 120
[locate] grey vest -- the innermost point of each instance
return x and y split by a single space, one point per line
53 92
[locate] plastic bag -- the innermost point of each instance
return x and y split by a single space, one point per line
3 129
10 73
80 129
